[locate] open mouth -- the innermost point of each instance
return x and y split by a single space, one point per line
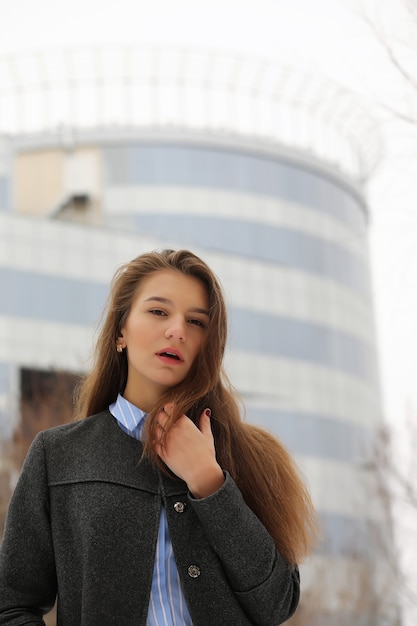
170 355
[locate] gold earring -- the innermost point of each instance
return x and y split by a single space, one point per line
119 348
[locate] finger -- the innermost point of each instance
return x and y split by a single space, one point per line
168 408
162 418
205 424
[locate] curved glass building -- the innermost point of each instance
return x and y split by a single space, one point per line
258 169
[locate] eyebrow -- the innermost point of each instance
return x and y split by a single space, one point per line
167 301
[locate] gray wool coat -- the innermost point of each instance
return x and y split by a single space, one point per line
83 524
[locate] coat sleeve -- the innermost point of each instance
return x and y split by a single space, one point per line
265 584
27 566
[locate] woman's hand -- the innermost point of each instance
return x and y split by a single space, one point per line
189 452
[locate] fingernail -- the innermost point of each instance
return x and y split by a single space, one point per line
207 412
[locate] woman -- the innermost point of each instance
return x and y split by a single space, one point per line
162 507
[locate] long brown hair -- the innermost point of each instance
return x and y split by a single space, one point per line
261 467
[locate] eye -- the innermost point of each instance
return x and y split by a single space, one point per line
158 312
197 322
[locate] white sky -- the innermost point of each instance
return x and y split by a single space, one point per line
324 36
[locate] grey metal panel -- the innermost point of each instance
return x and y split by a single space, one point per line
54 298
275 335
308 434
206 167
274 244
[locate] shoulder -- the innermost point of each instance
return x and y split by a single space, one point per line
89 434
94 449
89 427
67 435
62 442
72 450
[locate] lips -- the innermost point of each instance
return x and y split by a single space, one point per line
171 355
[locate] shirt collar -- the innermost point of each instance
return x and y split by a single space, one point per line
129 416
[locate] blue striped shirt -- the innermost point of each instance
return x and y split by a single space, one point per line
167 606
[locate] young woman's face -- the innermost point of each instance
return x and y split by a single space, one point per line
164 331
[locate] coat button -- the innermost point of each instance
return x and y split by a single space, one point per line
179 507
194 571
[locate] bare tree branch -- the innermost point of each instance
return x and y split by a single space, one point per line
412 9
409 119
409 78
389 50
395 485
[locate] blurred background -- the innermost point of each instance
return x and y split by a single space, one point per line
276 140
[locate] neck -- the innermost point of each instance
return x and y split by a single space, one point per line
144 399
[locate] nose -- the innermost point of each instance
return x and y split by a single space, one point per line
176 330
